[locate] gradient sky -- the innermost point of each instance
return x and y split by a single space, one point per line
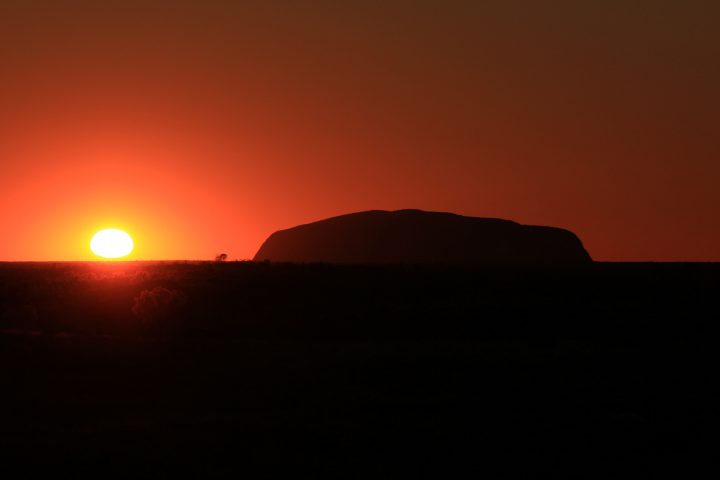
201 126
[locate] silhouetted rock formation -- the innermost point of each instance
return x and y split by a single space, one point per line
419 237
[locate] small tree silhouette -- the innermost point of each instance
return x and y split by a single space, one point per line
221 257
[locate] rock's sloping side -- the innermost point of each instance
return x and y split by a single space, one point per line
419 237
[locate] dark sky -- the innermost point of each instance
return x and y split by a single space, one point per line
203 126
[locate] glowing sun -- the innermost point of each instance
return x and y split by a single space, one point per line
111 243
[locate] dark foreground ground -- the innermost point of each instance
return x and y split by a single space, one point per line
247 370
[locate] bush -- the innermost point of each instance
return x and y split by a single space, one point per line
157 305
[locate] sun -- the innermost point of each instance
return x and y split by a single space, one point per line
111 243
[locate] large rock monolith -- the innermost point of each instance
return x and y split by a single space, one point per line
420 237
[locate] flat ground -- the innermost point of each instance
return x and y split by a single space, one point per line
265 371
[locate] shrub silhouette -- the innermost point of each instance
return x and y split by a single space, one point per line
156 305
221 257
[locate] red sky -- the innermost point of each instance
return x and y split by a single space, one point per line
201 126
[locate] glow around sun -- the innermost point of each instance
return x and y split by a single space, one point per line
112 243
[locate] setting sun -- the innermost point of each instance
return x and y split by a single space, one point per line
111 243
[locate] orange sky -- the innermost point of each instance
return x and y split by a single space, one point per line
203 126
